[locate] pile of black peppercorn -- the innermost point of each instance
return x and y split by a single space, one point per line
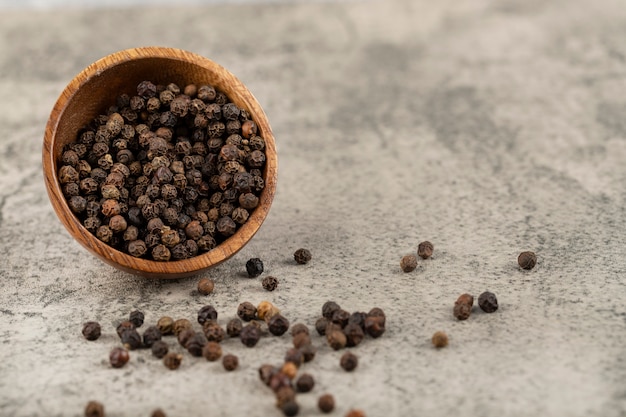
165 174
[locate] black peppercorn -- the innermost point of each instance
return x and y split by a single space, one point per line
246 311
158 413
320 326
150 335
298 328
233 328
131 339
159 349
118 357
408 263
349 361
123 326
295 356
308 352
278 325
254 267
91 330
340 317
207 312
329 308
184 336
269 283
425 250
463 306
230 362
354 334
305 383
326 403
195 344
527 260
94 409
250 335
136 317
488 302
375 326
302 256
290 408
180 325
212 351
172 360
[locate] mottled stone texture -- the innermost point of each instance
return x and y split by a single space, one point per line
486 127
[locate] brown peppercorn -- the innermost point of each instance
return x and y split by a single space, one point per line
266 372
248 200
161 253
248 129
165 325
179 326
320 326
279 380
355 413
340 317
158 413
230 362
196 344
250 335
226 226
305 383
354 334
349 361
284 395
172 360
94 409
278 325
408 263
265 310
425 250
269 283
326 403
246 311
212 351
336 339
205 286
308 352
301 339
298 328
488 302
375 326
159 349
233 328
527 260
294 355
290 369
184 336
123 326
302 256
118 357
194 230
329 308
440 339
290 409
91 330
213 331
463 306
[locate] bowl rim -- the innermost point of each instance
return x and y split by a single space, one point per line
118 259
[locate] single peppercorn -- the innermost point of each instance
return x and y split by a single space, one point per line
254 267
298 328
440 339
305 383
408 263
205 286
295 356
246 311
250 335
151 335
166 325
527 260
269 283
302 256
94 409
233 327
195 344
425 250
131 339
284 395
159 349
266 372
172 360
278 325
355 413
158 413
136 317
213 331
329 308
266 310
184 336
336 339
354 334
301 339
118 357
230 362
375 326
290 369
207 312
349 361
123 326
320 326
308 352
326 403
488 302
212 351
463 307
340 317
290 408
91 330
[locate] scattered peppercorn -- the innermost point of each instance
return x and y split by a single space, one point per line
180 325
375 326
290 369
355 413
295 356
158 413
305 383
91 330
266 372
166 325
172 360
212 351
278 325
336 339
329 308
298 328
349 361
233 328
463 307
291 408
159 349
94 409
131 339
488 302
340 317
207 312
206 286
527 260
136 317
284 395
213 331
118 357
254 267
425 250
250 335
326 403
302 256
408 263
440 339
230 362
270 283
320 326
150 335
246 311
354 334
265 310
301 339
123 326
308 352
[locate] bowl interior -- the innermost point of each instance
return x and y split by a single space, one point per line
95 89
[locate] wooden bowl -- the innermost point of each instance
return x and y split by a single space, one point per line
92 91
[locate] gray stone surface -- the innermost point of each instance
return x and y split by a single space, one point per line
487 127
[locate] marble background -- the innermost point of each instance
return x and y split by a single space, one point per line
487 127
